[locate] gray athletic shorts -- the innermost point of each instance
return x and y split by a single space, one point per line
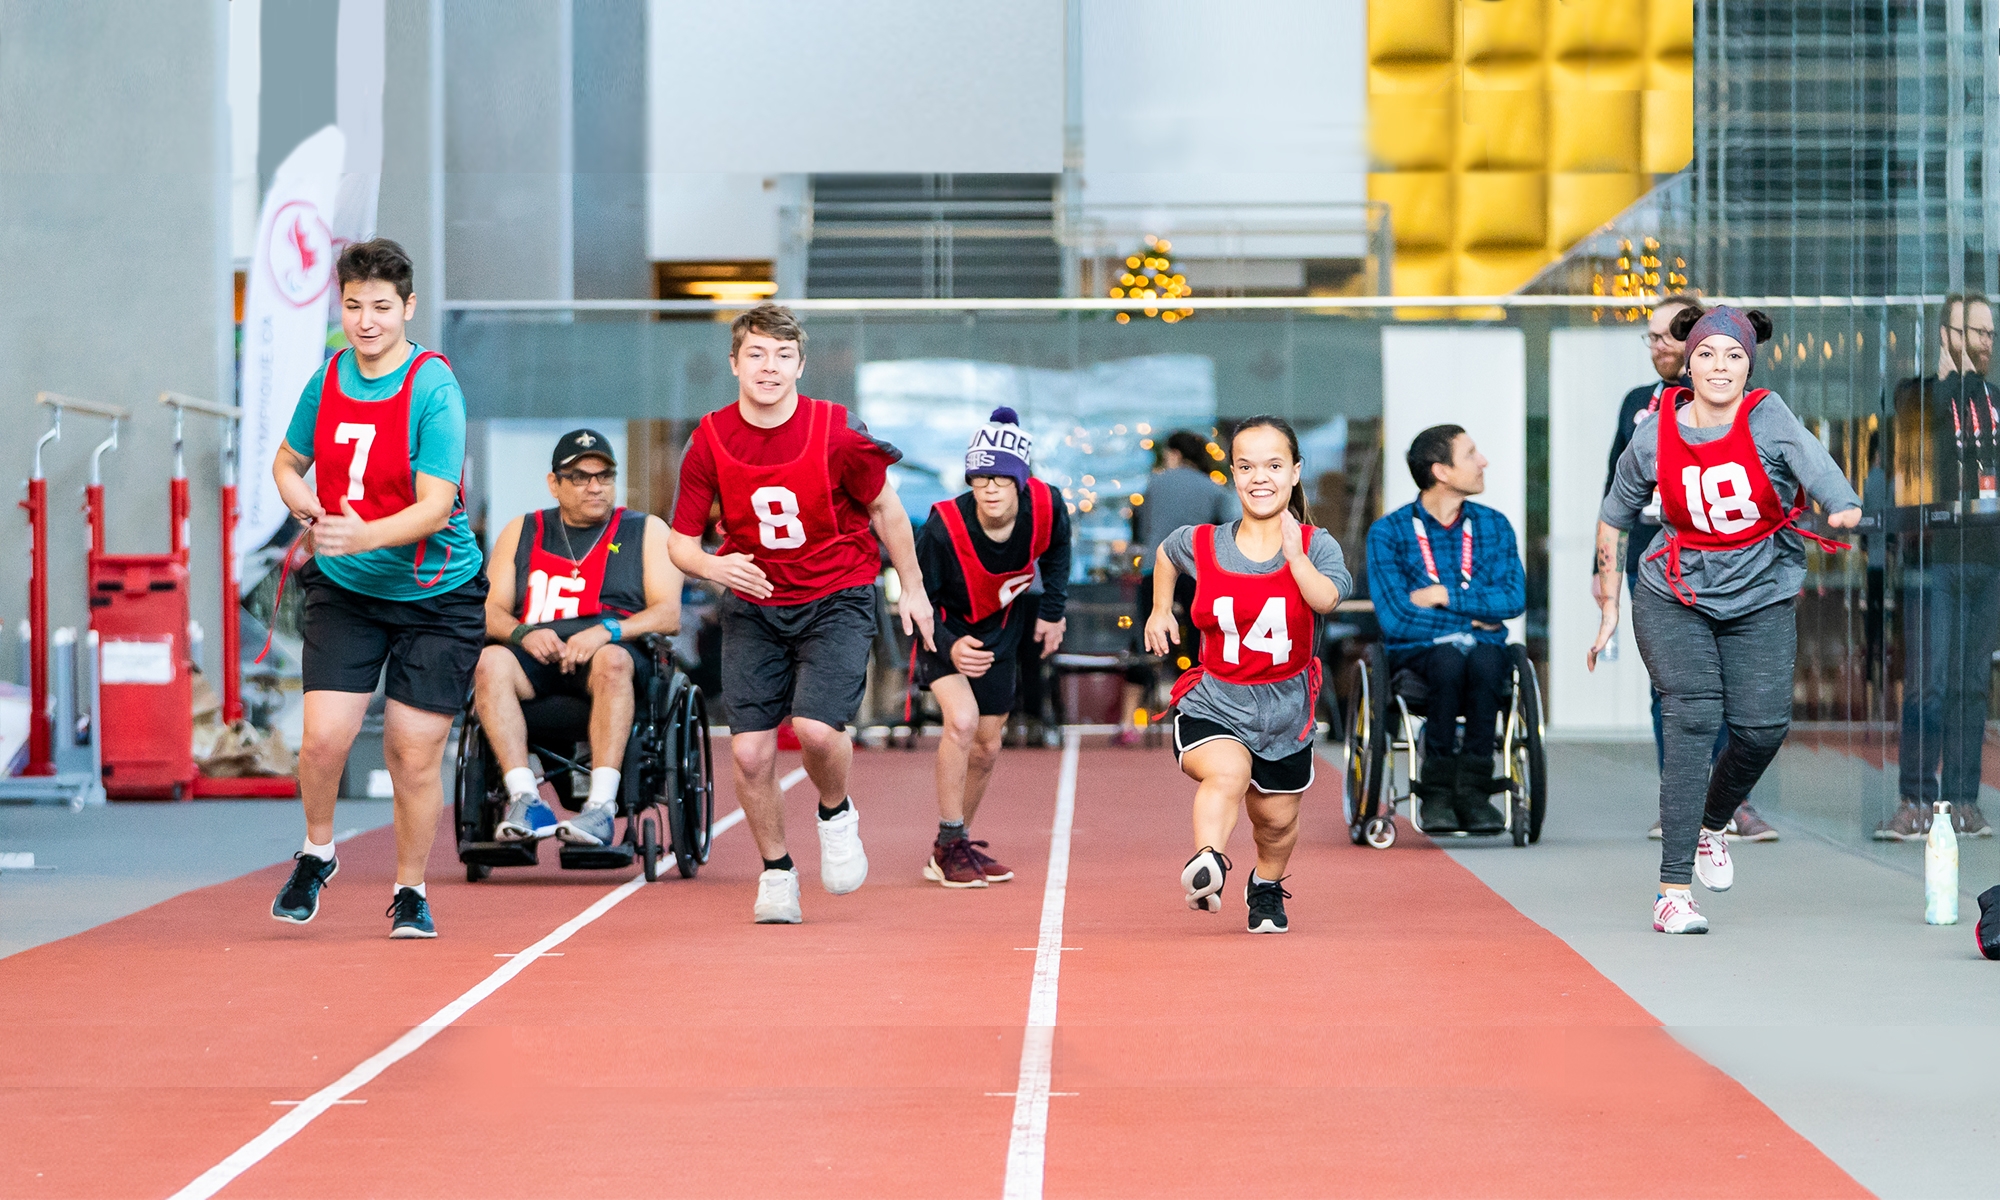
804 660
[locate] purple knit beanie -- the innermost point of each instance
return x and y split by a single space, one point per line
1724 321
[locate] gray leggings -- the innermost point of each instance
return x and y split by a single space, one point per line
1708 671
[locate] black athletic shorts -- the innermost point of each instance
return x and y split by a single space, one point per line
547 679
430 645
1280 776
808 660
994 690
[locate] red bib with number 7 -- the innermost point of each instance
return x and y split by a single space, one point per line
361 448
1716 495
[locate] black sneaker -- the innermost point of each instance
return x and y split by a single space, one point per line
1266 902
411 915
1988 931
298 900
1202 877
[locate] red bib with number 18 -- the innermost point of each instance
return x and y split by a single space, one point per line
1716 495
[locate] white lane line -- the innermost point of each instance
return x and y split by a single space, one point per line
285 1128
792 779
1027 1145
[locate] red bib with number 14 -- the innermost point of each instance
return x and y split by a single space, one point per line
1254 628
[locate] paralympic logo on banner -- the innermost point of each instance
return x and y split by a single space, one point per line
299 249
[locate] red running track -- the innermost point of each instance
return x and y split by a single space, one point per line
1413 1035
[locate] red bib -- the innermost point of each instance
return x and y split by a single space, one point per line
990 593
559 589
783 512
361 453
1254 628
1716 495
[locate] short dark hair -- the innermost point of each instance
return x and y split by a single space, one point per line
1431 448
771 320
1193 449
377 258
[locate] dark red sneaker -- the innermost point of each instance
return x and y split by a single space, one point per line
995 870
953 865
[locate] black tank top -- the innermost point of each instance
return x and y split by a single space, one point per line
624 567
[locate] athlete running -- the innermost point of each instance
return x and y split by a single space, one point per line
805 496
1713 616
1244 726
980 554
394 576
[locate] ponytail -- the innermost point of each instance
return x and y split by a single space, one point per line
1296 505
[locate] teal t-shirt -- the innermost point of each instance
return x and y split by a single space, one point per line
437 447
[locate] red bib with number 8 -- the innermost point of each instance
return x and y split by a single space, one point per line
1254 628
361 448
781 512
1715 495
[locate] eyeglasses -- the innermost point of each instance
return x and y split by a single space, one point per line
1659 339
584 479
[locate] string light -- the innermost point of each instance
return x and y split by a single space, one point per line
1150 275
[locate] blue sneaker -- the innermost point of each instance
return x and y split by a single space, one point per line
594 826
298 900
527 820
411 915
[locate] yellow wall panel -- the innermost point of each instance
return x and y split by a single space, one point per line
1503 75
1404 29
1408 77
1669 27
1599 73
1596 27
1500 28
1501 209
1669 73
1579 203
1411 133
1594 131
1422 273
1669 131
1420 207
1496 272
1501 131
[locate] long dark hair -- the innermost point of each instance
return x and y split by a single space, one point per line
1297 504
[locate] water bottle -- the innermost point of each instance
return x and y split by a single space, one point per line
1941 868
1610 651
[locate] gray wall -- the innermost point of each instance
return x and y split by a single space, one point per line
114 179
410 209
610 125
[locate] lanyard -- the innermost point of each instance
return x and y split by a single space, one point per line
1464 550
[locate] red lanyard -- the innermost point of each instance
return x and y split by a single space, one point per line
1464 550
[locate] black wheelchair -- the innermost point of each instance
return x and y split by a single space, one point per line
666 799
1384 732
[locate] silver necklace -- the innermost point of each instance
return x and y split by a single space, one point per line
569 551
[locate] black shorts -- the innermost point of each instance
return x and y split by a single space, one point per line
1276 777
807 660
430 646
547 679
994 690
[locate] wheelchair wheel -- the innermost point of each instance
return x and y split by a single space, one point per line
469 788
691 806
649 847
1528 764
1367 754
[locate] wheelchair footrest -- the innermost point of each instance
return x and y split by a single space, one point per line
596 858
499 854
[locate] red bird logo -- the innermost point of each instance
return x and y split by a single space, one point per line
308 257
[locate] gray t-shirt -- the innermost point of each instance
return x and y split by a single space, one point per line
1729 583
1266 716
1177 497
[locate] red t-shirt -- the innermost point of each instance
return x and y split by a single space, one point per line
856 469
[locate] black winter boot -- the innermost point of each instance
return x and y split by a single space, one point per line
1476 813
1437 793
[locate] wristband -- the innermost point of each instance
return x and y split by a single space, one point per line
616 630
521 631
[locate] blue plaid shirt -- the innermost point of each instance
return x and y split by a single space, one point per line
1497 592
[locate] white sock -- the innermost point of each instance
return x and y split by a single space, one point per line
324 853
1256 879
519 782
418 888
603 787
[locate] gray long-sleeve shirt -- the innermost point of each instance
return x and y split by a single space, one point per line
1729 583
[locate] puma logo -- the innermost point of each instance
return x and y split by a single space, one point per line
614 547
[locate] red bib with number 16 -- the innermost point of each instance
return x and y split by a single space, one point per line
1715 495
1254 628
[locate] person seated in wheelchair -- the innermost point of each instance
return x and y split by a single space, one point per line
1444 574
571 591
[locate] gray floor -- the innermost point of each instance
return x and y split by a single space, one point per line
101 863
1820 988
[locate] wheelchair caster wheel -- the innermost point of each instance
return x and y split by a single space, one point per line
474 872
1357 834
1380 832
649 848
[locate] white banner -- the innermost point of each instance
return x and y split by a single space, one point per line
284 320
361 43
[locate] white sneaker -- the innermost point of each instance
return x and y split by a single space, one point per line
778 898
843 864
1202 879
1711 861
1674 912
